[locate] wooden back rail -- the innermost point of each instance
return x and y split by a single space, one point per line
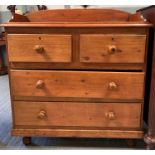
79 15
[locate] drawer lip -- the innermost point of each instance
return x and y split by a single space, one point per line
84 71
84 115
77 66
57 81
76 99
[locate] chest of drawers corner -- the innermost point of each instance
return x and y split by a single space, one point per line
77 81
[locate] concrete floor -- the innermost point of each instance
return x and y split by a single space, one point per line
9 142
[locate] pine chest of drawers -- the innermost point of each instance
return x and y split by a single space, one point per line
78 73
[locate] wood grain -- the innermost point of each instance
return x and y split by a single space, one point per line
80 66
74 15
56 48
102 98
79 15
75 47
78 133
77 114
81 84
100 48
77 25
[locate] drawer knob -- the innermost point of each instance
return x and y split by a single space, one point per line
112 85
42 114
40 84
112 49
39 49
110 115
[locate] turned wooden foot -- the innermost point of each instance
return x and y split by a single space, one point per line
27 140
150 142
131 142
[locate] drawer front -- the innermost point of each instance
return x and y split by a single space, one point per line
112 48
72 114
39 48
79 85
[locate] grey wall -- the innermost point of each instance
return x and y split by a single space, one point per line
130 9
4 17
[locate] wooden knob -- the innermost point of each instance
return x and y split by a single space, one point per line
39 49
42 114
112 49
40 84
112 85
110 115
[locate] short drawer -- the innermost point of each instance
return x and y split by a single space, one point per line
123 48
77 85
39 48
77 114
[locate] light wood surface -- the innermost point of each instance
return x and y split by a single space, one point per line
100 48
78 90
57 114
75 35
39 48
76 15
77 25
81 84
79 133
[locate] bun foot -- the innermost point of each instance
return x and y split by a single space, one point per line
27 140
131 142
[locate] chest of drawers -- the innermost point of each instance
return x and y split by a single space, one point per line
78 73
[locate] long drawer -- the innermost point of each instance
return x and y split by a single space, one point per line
112 48
77 85
77 114
39 48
